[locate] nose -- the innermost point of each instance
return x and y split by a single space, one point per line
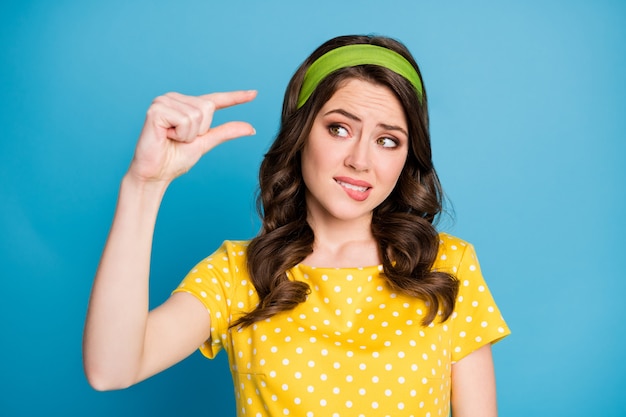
358 157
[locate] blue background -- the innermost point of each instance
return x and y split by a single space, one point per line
527 111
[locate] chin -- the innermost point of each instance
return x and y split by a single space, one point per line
348 214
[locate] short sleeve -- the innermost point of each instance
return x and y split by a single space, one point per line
212 282
476 320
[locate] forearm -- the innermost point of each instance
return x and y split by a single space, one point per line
118 309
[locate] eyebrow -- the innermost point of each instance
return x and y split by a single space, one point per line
356 118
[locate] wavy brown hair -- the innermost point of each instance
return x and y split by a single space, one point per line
402 225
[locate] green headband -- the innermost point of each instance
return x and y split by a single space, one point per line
353 55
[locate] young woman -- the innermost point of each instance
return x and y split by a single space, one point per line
348 302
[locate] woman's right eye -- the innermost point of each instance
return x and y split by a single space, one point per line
337 130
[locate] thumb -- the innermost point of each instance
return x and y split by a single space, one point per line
225 132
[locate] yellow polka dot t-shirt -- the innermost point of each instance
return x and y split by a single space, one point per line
353 348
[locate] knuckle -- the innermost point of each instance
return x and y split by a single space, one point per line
153 110
160 100
195 115
208 106
186 119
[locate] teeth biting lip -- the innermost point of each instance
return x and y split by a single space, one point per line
360 188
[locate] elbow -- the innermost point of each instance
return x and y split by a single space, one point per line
106 372
101 380
102 385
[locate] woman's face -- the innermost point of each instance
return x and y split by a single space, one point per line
355 152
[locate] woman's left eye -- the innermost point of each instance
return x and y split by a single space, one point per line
386 142
337 130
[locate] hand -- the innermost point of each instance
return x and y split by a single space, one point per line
177 132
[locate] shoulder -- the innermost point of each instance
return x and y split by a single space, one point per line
235 247
229 252
449 242
452 252
231 248
451 245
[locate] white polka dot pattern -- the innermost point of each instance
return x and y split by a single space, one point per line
354 347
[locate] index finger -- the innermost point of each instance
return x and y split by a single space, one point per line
230 98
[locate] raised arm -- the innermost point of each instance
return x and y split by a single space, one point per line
123 342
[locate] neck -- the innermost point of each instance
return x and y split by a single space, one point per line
342 244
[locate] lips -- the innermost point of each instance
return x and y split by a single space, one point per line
352 186
355 189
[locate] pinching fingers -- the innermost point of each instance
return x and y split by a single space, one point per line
225 132
190 116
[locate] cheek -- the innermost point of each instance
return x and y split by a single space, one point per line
316 157
393 168
309 163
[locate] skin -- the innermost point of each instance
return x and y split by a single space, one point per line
358 140
474 385
359 137
123 343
